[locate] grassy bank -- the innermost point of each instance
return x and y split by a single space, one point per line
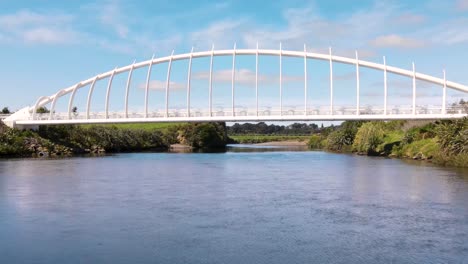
441 142
66 140
255 139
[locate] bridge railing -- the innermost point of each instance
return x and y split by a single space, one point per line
262 112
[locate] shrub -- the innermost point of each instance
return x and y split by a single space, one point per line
368 138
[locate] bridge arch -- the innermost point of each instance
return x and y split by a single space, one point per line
280 53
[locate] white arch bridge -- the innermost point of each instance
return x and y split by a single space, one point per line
29 116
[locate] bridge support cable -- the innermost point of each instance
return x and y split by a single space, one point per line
331 81
189 78
256 78
444 94
148 78
90 95
168 82
281 78
127 88
109 86
385 85
233 79
414 89
358 93
210 97
305 79
72 98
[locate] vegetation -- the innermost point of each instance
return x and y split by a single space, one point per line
442 142
255 139
5 111
263 129
74 139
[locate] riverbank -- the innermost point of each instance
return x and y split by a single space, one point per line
68 140
287 143
440 142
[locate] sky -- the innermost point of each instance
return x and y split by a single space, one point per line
46 46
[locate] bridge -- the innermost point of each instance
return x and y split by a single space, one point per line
234 111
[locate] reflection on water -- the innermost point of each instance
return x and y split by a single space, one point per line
239 206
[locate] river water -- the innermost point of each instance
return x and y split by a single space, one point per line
257 206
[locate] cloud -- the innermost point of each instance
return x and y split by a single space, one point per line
222 33
410 19
161 85
396 41
462 5
245 77
37 28
111 16
48 36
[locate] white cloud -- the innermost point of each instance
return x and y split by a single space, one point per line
111 15
396 41
161 85
462 5
48 36
37 28
245 77
221 33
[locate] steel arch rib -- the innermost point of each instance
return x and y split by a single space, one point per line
285 53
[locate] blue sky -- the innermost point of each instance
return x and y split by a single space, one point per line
49 45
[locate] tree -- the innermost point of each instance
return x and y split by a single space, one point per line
5 111
75 111
42 110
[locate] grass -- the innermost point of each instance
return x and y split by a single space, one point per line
139 126
252 139
428 147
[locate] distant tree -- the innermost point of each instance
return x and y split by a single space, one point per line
75 111
5 110
42 110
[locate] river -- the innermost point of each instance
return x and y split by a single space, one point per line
262 205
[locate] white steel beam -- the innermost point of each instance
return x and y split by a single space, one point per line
168 82
385 85
211 82
148 78
72 98
281 78
305 79
444 95
256 78
127 88
189 78
109 86
414 89
54 101
233 79
358 93
90 95
331 80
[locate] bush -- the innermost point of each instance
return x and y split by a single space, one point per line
316 142
368 138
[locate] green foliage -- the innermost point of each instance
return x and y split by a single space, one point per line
263 129
453 136
341 140
42 110
255 139
204 135
5 111
368 138
316 142
110 138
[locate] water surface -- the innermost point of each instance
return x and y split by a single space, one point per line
233 207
